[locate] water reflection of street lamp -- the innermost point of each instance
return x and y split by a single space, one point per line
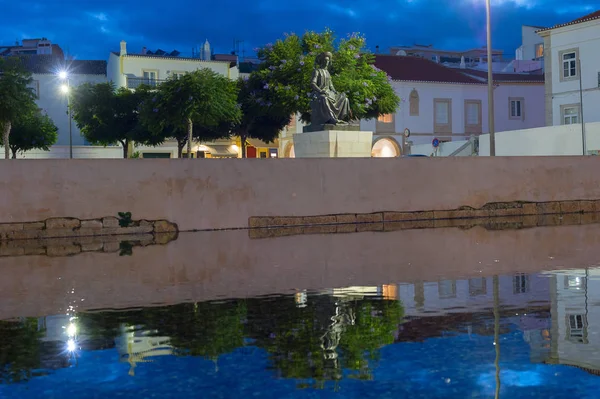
65 88
497 332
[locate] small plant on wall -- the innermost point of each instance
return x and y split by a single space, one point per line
125 219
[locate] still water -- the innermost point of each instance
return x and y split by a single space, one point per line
442 313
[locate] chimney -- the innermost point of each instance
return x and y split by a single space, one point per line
123 47
376 49
462 62
144 50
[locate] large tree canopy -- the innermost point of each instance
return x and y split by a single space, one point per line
17 99
193 106
33 131
283 79
107 116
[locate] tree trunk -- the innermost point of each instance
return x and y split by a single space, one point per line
190 127
243 144
14 153
125 145
5 134
180 145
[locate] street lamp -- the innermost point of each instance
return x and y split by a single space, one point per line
490 80
65 88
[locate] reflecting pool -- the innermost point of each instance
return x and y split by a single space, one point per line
444 313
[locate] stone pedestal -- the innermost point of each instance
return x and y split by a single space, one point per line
333 144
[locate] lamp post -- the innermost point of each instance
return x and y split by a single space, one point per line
66 89
490 80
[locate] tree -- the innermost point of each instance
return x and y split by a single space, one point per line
260 120
318 342
16 97
285 74
33 131
19 349
107 116
198 105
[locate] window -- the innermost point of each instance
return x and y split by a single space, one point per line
539 50
150 78
570 114
473 113
177 74
442 114
574 282
414 103
521 284
577 328
473 116
387 118
385 124
447 289
477 286
568 61
515 108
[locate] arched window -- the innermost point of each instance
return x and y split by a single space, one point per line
414 103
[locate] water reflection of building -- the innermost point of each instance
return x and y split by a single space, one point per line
576 319
137 346
476 294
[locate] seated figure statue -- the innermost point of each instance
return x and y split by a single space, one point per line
327 105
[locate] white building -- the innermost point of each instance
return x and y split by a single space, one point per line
576 319
471 295
47 86
529 56
572 70
131 69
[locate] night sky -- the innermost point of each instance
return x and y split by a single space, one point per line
89 29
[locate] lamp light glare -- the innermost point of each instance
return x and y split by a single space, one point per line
71 346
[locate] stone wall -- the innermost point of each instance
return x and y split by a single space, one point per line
207 194
73 227
492 218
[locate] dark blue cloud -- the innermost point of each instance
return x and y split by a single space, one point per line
92 28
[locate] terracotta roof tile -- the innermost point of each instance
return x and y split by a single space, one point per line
506 77
589 17
417 69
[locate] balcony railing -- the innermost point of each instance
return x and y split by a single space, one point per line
134 83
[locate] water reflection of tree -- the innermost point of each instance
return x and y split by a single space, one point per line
19 349
317 342
199 329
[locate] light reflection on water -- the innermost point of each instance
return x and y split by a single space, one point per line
424 339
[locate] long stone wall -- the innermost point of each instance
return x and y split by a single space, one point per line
74 227
225 194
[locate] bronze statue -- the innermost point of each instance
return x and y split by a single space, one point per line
327 105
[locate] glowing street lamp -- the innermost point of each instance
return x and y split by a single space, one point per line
65 89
